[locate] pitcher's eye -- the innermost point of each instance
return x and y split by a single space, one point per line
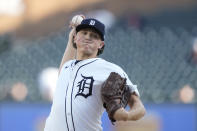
95 36
84 32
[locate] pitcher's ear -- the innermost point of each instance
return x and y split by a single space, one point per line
101 44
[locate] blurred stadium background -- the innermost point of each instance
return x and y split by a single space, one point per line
154 41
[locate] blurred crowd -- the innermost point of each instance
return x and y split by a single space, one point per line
162 62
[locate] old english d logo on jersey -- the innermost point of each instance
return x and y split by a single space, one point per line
85 86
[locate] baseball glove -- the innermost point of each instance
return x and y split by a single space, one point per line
115 94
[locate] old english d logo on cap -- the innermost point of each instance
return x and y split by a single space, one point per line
92 22
98 26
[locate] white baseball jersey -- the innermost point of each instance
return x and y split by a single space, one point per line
77 103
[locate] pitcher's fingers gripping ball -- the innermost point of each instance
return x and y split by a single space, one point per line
115 94
76 20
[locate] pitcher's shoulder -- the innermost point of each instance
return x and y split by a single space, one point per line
111 65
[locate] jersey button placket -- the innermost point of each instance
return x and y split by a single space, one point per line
68 113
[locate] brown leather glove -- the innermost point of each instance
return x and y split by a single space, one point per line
115 94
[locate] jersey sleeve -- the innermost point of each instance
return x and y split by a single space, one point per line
131 85
115 68
66 65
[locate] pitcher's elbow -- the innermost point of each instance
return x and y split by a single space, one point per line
142 113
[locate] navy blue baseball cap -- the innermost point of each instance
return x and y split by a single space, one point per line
98 26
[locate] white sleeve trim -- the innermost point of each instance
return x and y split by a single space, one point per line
134 89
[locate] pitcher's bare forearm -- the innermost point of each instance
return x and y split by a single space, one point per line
70 51
136 111
69 54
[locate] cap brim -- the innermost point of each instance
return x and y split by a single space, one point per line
84 26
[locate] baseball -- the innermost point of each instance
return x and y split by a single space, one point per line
76 20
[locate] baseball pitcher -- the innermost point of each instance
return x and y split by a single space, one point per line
88 85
